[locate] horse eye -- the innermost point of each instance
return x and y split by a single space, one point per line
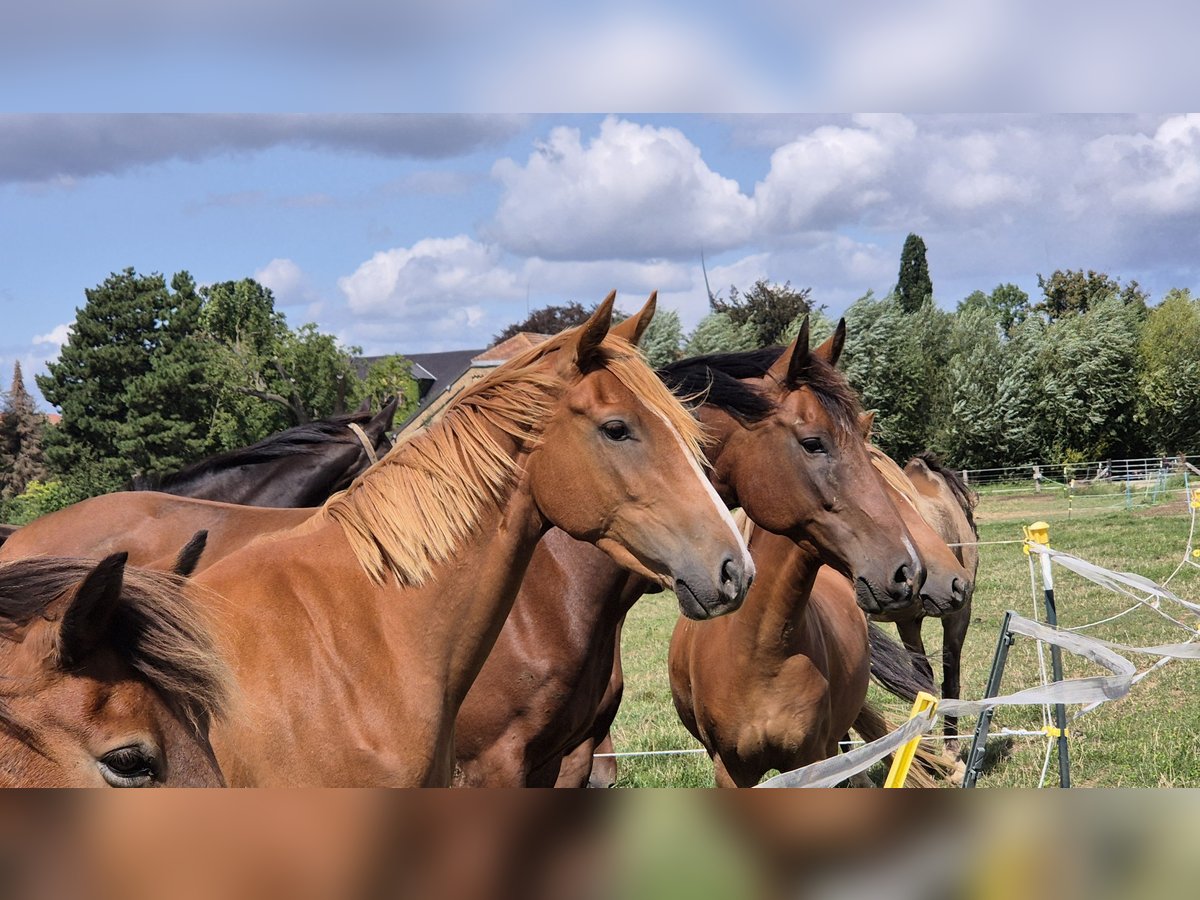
615 430
813 445
128 767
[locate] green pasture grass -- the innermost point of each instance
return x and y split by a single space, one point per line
1149 739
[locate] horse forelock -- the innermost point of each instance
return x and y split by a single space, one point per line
415 508
157 629
894 476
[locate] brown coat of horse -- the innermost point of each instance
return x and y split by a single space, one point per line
537 695
947 504
356 636
108 676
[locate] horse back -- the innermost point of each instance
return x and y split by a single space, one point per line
151 527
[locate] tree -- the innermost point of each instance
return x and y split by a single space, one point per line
548 320
914 285
663 338
766 309
896 361
1007 303
112 393
21 429
391 377
1169 375
716 333
1070 291
1087 368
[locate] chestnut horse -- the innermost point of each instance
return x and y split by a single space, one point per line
537 695
108 676
356 635
948 505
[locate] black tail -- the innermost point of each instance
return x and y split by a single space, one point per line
892 666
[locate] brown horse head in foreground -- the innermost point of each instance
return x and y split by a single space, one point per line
801 470
107 677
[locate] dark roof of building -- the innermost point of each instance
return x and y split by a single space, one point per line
435 372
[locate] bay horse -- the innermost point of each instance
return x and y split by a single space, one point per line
946 588
355 636
536 697
299 467
108 676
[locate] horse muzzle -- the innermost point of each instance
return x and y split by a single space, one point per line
705 596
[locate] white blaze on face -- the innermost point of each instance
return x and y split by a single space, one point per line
722 509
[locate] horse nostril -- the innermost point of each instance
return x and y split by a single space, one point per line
731 578
903 575
958 590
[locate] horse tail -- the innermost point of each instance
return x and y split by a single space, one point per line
929 768
892 666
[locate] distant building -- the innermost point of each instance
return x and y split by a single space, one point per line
443 376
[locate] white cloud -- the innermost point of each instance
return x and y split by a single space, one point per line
290 285
436 277
832 174
1150 174
634 191
57 336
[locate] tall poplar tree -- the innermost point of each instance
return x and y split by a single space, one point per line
914 285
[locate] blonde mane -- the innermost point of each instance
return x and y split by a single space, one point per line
415 508
894 476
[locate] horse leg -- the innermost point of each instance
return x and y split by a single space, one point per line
954 634
604 769
910 636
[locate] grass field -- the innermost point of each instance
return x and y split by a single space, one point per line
1149 739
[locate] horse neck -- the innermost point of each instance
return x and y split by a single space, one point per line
466 599
773 622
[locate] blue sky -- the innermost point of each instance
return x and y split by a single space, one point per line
418 233
554 175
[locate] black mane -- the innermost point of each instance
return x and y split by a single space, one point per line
714 378
307 438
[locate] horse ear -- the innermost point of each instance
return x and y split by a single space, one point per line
635 326
831 349
91 606
794 361
189 556
589 337
384 418
866 422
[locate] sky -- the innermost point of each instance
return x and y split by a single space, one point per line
525 157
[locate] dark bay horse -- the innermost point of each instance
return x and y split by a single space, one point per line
108 676
299 467
355 636
537 695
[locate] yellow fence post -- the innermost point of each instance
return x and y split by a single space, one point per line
902 761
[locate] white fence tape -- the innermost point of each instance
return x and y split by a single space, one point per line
1093 690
